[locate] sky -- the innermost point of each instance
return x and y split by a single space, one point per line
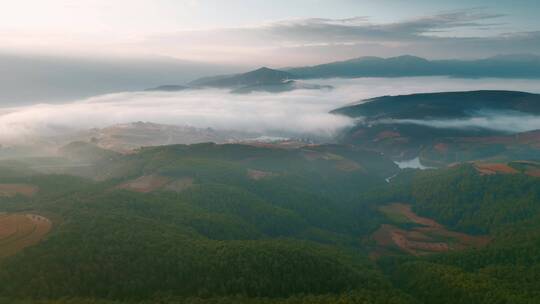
275 33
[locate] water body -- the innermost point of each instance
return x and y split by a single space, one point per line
411 163
408 164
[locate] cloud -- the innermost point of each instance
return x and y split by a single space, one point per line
461 33
469 33
361 29
298 112
504 121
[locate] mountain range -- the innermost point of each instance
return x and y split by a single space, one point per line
274 81
504 66
260 76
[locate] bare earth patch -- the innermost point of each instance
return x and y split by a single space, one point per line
533 172
341 163
258 174
145 183
154 182
441 148
18 231
10 190
489 169
430 237
180 184
387 134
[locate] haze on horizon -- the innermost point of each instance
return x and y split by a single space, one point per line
276 33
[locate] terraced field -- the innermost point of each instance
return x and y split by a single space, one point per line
18 231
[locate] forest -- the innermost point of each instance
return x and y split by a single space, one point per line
242 224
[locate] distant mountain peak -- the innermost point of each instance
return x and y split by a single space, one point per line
267 70
396 58
407 57
261 76
264 69
168 88
516 57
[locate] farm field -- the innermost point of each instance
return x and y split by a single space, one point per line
18 231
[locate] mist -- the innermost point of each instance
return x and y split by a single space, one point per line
28 78
503 121
295 113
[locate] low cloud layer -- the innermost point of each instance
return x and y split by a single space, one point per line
503 121
295 113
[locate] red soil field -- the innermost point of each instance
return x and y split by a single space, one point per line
488 169
431 237
18 231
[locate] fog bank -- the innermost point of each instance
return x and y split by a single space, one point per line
297 112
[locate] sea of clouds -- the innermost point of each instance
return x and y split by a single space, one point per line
293 113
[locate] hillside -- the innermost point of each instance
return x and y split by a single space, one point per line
262 76
260 80
239 223
203 220
130 136
167 88
447 127
443 105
